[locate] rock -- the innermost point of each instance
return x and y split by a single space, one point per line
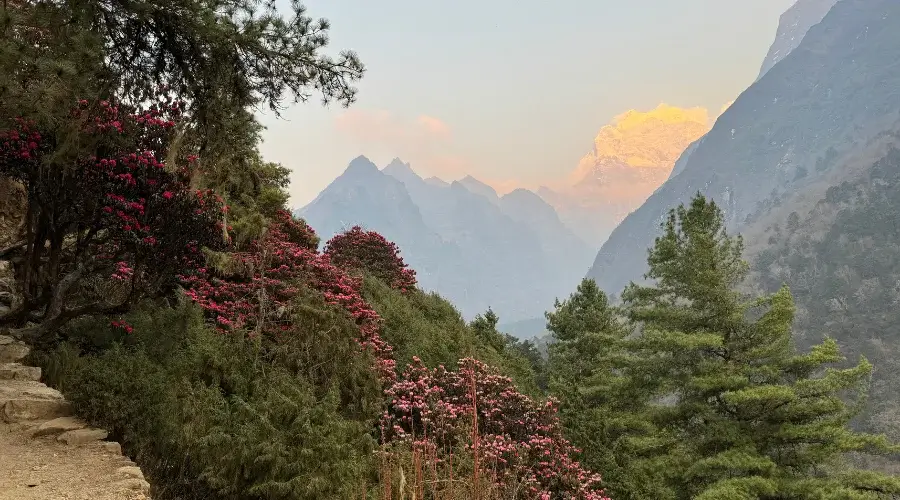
6 339
58 426
32 483
81 436
135 484
23 400
130 471
111 447
16 371
12 352
20 410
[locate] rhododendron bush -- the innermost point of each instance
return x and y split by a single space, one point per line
108 222
371 252
256 296
515 439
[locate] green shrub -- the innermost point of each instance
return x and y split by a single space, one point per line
220 417
427 326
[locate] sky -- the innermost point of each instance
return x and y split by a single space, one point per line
512 91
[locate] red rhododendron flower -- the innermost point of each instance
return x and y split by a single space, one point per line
371 252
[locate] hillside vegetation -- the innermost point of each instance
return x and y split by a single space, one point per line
841 260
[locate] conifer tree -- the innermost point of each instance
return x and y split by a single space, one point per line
601 407
753 418
485 327
511 355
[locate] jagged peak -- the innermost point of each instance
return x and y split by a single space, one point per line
398 165
664 113
437 181
361 164
522 193
793 25
477 187
644 139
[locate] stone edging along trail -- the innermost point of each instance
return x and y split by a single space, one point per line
48 454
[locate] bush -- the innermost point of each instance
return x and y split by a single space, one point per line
427 327
218 416
516 439
370 252
254 295
108 225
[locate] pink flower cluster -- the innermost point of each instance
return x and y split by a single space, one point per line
519 439
122 324
20 143
270 276
133 216
372 252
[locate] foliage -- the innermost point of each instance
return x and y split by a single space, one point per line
115 227
223 59
217 416
371 252
519 359
751 417
602 409
257 295
220 56
427 327
514 437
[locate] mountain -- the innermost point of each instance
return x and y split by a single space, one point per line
434 181
512 254
479 188
792 27
363 190
363 195
837 248
834 93
630 158
527 208
401 171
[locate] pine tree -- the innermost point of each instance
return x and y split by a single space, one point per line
601 406
485 328
753 419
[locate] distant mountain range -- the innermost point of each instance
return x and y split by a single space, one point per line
480 250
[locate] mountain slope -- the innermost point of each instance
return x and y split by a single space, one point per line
479 188
834 92
792 28
838 251
526 207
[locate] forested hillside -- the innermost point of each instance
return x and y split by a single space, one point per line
840 256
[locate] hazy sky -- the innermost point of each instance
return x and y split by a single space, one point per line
513 91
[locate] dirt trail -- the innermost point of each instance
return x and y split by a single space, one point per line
47 454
